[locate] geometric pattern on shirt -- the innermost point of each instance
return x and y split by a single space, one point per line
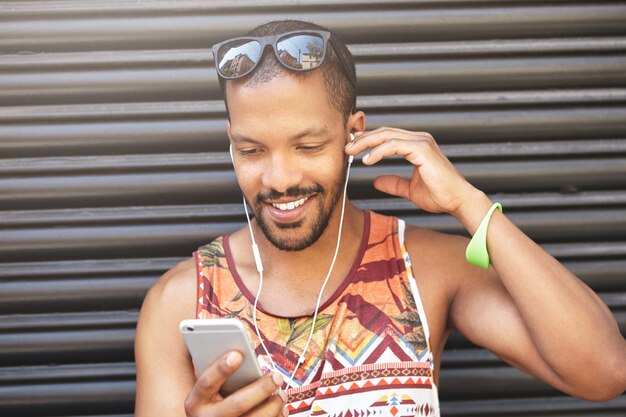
371 326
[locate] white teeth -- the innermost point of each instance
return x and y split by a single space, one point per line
291 205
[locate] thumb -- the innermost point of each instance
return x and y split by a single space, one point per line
392 184
213 377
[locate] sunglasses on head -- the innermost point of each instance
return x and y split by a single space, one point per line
302 50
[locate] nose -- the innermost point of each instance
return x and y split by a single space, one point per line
281 173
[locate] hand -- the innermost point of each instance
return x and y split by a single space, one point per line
261 398
435 186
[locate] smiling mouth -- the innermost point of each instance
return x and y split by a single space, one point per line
290 205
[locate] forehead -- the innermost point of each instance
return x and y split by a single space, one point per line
285 101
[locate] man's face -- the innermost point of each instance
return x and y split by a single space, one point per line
288 155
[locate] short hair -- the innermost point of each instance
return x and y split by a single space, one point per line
340 91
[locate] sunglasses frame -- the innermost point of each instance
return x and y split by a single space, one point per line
273 40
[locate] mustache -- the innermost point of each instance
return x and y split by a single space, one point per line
293 192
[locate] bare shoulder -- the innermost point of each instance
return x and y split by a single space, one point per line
175 289
164 370
170 300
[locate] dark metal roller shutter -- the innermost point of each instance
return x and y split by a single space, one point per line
113 165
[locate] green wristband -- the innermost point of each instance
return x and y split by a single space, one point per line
476 252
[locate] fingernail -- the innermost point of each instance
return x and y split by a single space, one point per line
285 411
233 359
282 395
365 157
278 378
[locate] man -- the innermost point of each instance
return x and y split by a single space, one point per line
379 325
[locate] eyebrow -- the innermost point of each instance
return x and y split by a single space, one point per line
311 132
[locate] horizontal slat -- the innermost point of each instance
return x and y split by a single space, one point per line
580 251
489 382
179 239
80 80
73 295
498 99
67 338
234 211
74 321
501 125
82 338
85 268
103 397
472 358
397 51
71 398
572 253
501 47
202 134
187 109
126 292
186 182
52 8
30 397
67 373
535 407
173 27
126 370
77 346
489 74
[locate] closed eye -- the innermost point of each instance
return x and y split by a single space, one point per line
311 148
248 152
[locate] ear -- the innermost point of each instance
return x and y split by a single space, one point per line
356 122
228 128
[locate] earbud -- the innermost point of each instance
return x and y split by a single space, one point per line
351 158
230 150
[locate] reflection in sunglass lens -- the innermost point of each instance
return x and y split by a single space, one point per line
238 57
301 52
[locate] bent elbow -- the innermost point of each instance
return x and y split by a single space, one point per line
610 387
601 395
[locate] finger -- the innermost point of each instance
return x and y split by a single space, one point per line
250 396
275 406
394 185
371 139
414 150
208 385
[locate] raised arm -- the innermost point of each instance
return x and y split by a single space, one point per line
527 308
534 313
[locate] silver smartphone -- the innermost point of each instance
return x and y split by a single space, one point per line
208 339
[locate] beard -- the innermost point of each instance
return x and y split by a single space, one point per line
329 200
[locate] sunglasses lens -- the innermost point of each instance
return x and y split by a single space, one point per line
300 51
238 57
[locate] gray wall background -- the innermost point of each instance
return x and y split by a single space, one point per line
114 165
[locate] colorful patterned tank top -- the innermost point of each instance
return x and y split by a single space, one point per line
370 351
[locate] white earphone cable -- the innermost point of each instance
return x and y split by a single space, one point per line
330 270
259 267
